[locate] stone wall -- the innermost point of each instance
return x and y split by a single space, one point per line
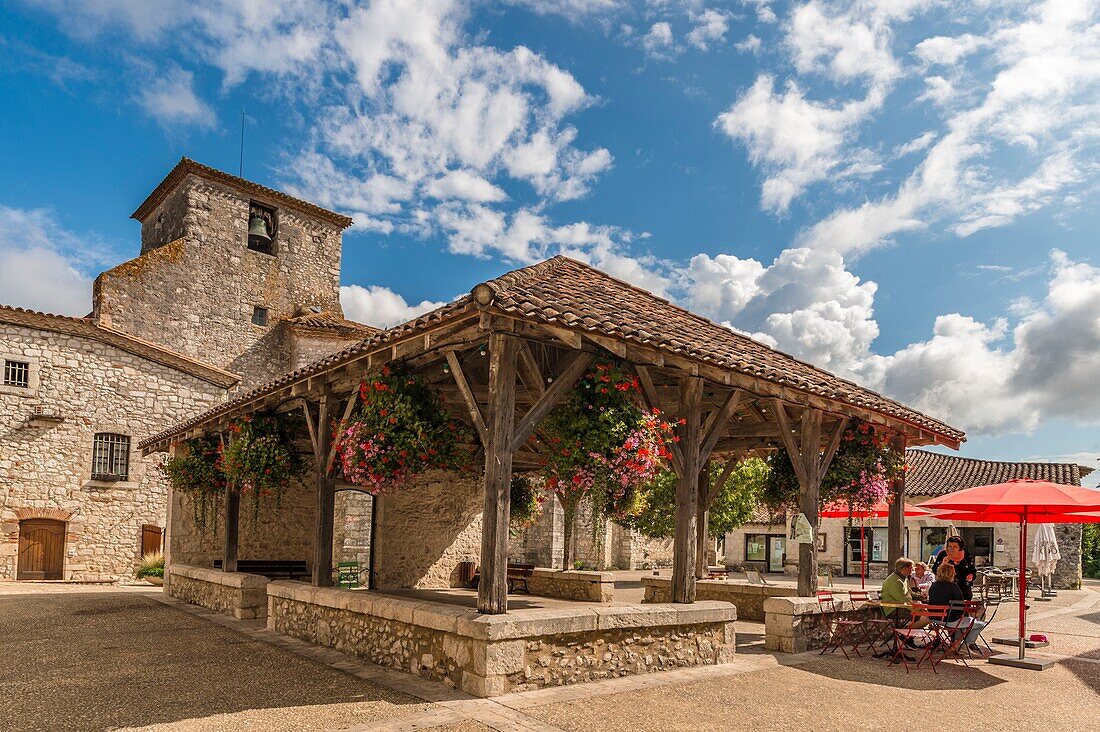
243 596
490 655
583 586
796 624
283 532
749 599
196 294
425 529
351 528
45 466
1067 574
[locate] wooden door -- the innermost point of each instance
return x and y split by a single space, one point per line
41 549
151 537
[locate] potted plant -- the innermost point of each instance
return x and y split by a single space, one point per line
151 568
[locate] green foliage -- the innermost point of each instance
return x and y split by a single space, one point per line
260 458
1090 550
197 470
152 565
732 507
401 428
526 503
863 465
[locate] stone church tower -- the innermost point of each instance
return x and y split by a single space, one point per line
232 273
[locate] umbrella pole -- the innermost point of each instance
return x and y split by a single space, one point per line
862 558
1022 583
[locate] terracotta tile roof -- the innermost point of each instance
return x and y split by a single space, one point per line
933 474
86 328
329 322
567 293
186 166
563 291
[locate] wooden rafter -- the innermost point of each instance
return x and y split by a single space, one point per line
574 366
467 396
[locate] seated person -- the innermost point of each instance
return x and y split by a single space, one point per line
921 578
942 592
895 590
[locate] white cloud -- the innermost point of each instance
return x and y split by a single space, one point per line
947 51
171 100
938 90
844 45
751 44
918 143
465 185
43 266
658 41
710 26
797 141
380 306
997 379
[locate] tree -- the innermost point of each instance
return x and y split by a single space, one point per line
1090 550
732 507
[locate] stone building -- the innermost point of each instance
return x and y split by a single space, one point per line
235 283
763 545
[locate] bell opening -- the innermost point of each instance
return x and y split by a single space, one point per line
261 229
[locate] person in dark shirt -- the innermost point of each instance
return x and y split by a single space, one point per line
956 554
945 590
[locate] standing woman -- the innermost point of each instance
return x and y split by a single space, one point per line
956 554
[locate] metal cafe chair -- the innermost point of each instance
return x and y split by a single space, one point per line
925 623
876 630
837 635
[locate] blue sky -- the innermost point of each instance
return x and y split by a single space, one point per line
902 192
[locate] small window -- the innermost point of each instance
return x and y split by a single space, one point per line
755 550
17 373
110 456
259 316
262 227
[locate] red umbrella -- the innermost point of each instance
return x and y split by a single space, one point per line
1023 501
841 509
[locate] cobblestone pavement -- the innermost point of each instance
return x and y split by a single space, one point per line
132 658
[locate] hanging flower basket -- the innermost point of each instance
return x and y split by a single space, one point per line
859 475
197 471
526 501
602 446
400 429
260 458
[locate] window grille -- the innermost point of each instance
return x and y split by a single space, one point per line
17 373
110 457
259 316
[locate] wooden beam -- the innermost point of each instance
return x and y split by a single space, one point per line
232 527
563 384
687 490
895 537
325 498
312 432
831 448
330 462
492 590
702 521
727 471
467 395
529 371
653 403
809 498
717 423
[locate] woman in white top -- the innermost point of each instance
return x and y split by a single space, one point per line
921 579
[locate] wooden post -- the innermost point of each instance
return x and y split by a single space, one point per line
687 490
810 464
809 501
702 523
492 591
896 520
232 520
326 497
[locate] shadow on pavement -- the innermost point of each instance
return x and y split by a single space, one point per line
950 676
104 661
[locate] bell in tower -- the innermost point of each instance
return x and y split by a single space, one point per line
260 229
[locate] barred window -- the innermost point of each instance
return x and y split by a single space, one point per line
110 456
17 373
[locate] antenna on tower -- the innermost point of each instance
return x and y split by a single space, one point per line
240 168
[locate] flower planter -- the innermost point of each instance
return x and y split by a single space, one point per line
156 581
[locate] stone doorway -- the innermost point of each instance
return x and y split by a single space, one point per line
41 549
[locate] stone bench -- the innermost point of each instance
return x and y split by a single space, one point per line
244 596
748 598
796 625
572 585
490 655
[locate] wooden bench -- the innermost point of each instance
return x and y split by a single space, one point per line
518 574
292 569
